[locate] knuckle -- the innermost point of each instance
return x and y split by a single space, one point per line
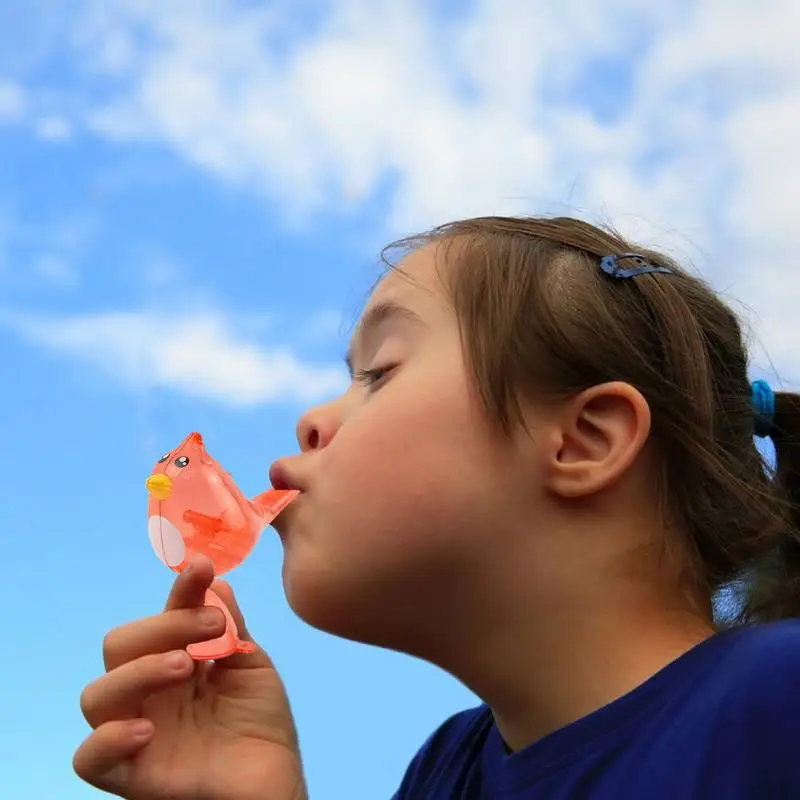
134 678
87 701
147 670
84 760
111 643
79 765
147 674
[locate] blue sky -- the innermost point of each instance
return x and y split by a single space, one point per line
192 198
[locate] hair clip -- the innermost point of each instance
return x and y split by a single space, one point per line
762 399
610 265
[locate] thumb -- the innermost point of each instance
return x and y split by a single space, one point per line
240 660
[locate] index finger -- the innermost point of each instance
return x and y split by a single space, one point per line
189 589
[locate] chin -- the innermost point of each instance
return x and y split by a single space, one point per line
325 601
394 616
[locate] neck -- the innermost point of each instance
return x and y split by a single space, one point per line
586 667
542 666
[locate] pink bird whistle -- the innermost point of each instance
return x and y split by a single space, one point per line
194 506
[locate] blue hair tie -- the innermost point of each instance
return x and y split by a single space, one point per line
610 265
763 400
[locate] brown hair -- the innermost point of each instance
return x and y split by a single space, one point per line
539 316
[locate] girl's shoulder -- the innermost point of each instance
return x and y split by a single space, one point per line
767 652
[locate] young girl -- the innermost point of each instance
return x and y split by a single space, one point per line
542 474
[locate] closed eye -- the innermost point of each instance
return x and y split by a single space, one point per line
372 377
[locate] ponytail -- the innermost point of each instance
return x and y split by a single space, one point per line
773 584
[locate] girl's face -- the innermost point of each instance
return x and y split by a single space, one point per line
406 488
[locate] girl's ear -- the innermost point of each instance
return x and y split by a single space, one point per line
598 437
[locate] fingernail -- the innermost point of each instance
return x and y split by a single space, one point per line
210 617
177 661
141 729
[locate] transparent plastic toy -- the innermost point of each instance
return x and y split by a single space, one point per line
195 507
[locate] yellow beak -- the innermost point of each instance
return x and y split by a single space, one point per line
159 485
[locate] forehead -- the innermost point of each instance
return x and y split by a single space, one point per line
412 291
415 278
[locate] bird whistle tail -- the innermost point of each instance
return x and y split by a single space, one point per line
270 503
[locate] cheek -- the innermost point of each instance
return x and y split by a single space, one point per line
404 463
404 507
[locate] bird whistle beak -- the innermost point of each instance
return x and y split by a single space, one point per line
159 485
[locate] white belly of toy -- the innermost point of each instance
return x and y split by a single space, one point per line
166 540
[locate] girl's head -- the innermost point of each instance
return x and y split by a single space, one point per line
524 427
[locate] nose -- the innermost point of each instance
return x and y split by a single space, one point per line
159 485
317 427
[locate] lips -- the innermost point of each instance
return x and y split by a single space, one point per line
280 479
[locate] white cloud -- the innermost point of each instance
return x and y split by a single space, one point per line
18 105
55 269
473 115
12 102
199 355
46 250
503 109
53 128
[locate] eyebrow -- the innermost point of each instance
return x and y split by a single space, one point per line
373 318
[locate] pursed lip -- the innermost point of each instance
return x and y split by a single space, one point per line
281 478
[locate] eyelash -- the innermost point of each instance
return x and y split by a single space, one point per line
370 377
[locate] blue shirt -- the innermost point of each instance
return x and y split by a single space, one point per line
722 721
